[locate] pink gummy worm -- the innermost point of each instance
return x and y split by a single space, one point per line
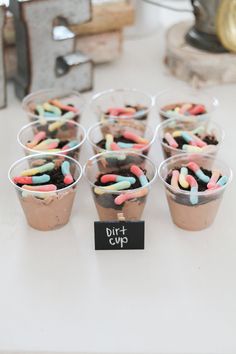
175 179
191 180
134 137
171 141
52 145
193 143
136 171
113 112
199 142
214 178
185 107
127 196
116 111
45 188
197 109
193 166
22 180
68 179
64 107
37 138
114 146
65 147
139 146
108 178
125 114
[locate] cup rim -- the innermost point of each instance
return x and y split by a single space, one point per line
147 146
161 125
110 191
187 193
48 120
125 89
38 156
214 101
45 91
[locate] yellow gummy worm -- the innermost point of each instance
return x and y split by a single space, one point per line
182 177
52 150
191 148
176 133
60 122
45 143
109 140
115 187
48 107
33 171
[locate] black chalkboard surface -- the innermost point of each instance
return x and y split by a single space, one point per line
119 235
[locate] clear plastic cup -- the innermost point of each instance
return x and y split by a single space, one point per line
71 131
46 210
30 102
173 124
98 131
131 203
120 98
168 99
198 216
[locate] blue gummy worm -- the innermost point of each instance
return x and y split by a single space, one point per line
65 168
186 137
125 145
143 180
131 180
222 181
40 179
193 195
50 115
202 176
72 143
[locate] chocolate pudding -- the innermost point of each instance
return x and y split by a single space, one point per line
193 217
132 210
50 213
138 112
182 109
55 136
106 202
210 141
56 108
194 195
47 189
177 137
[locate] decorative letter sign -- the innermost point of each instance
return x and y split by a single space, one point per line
2 69
45 46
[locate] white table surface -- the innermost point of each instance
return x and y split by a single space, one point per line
176 296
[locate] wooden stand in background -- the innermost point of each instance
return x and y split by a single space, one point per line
108 16
101 39
2 68
197 67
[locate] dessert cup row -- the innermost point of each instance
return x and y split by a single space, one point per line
67 137
179 102
120 183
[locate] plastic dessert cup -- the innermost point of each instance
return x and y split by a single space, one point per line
71 137
97 134
184 213
46 210
172 125
168 99
102 102
113 205
38 98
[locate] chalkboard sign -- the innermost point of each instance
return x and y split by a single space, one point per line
119 235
